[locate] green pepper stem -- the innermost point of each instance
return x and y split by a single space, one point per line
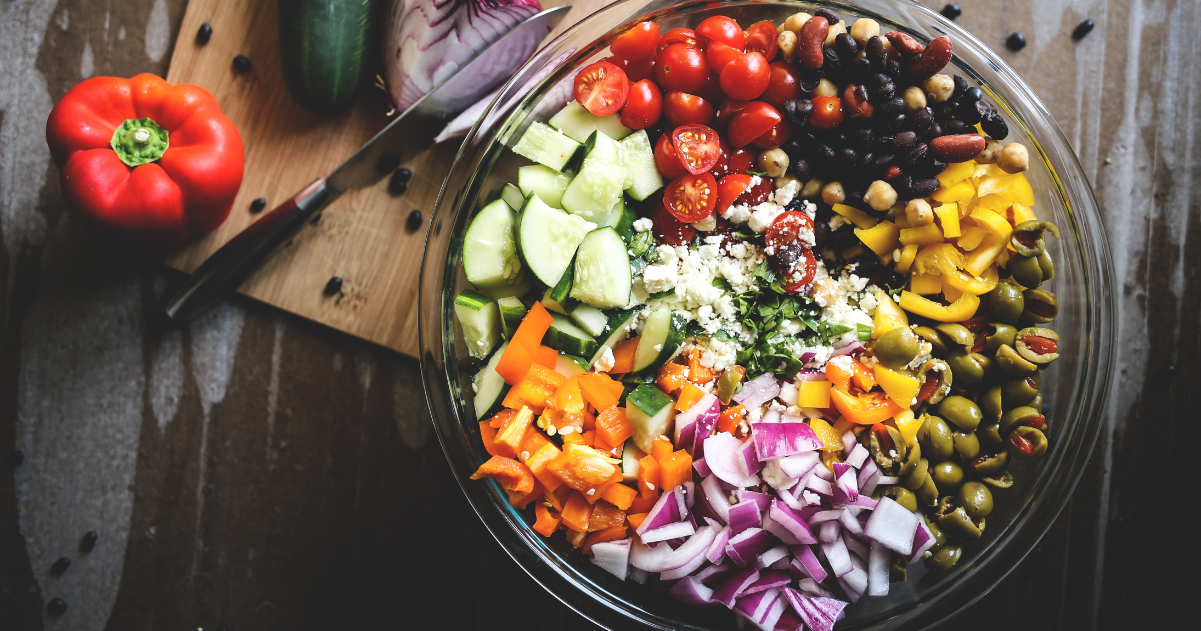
139 141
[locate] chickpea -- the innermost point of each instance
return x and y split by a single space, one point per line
707 224
825 87
919 213
1014 158
835 31
914 97
785 180
787 42
794 23
864 29
880 195
811 189
991 150
825 291
833 193
941 86
773 162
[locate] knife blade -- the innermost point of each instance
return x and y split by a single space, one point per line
410 134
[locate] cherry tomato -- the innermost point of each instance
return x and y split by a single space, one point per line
601 88
721 168
668 229
783 84
774 137
691 198
686 109
678 36
741 161
719 54
700 147
639 69
711 91
728 108
730 188
720 28
668 161
745 78
762 37
644 105
758 193
789 255
751 122
681 67
636 43
827 112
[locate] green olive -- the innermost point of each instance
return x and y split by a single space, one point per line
976 499
1017 417
991 405
930 335
1029 238
896 348
961 411
1018 391
898 568
1027 443
911 459
987 365
889 463
902 496
947 475
967 445
1038 379
1041 338
1005 302
1002 480
944 558
1009 361
1037 403
1040 306
1047 265
938 443
989 464
916 478
959 523
1025 270
990 434
927 494
957 335
1001 334
942 374
940 537
967 369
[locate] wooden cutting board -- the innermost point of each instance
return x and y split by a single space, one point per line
362 237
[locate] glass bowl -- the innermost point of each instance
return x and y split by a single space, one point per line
1075 387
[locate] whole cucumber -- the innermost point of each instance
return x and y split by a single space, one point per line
325 50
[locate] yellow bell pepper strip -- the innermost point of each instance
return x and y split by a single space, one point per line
889 315
956 173
978 285
996 239
1014 187
899 387
865 409
908 253
831 439
955 193
513 433
814 394
881 238
581 467
925 284
597 391
523 348
928 234
856 216
948 216
512 475
951 294
958 311
971 239
537 463
907 425
937 259
535 390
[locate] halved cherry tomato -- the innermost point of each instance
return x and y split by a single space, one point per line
682 108
711 91
789 255
762 36
678 36
720 169
643 107
681 67
720 28
774 137
827 112
783 84
758 193
751 122
691 198
700 147
728 108
602 88
730 188
787 228
801 279
639 69
746 77
636 43
668 161
668 229
719 54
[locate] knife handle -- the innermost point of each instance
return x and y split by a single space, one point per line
226 268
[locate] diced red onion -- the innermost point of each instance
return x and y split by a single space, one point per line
722 456
776 440
868 474
807 356
771 619
702 469
812 588
854 347
837 556
758 391
638 575
888 479
717 549
854 583
779 531
744 515
923 540
877 571
790 520
809 565
824 516
781 565
818 613
670 531
892 525
849 440
691 591
696 547
715 496
613 557
857 456
732 587
855 546
829 530
685 433
702 418
823 473
770 416
846 488
810 498
687 490
712 574
755 607
789 622
683 571
762 500
795 502
750 461
746 546
798 465
810 375
667 510
788 393
648 558
848 521
769 557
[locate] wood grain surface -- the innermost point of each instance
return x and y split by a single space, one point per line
254 470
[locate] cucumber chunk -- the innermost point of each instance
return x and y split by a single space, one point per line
480 320
629 462
602 270
558 298
512 196
566 337
651 412
511 312
490 259
548 238
570 366
547 146
545 182
662 336
590 319
596 189
489 386
617 329
642 177
578 123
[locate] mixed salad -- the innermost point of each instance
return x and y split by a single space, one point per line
762 323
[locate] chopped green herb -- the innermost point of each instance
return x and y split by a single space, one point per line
865 332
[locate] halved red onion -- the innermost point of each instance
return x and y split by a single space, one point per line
877 570
892 525
837 556
670 531
746 546
732 587
716 498
744 515
667 510
791 521
769 558
818 613
613 557
691 591
776 440
722 456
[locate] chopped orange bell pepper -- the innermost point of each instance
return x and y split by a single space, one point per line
523 348
588 438
660 449
546 522
613 427
512 435
608 534
576 538
865 409
577 512
623 356
605 515
568 397
839 377
574 438
597 493
730 418
582 467
488 434
535 390
597 391
671 377
642 505
689 396
675 469
502 417
547 356
537 464
620 496
558 497
512 475
521 500
698 373
533 442
648 477
863 378
635 520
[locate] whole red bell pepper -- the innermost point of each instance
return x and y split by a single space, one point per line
147 163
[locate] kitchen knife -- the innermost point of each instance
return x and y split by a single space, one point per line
411 133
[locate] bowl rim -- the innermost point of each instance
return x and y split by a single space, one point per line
1028 525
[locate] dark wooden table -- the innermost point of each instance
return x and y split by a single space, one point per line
252 470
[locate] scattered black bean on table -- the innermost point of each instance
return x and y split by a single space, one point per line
951 11
415 220
16 458
399 183
56 607
1016 42
258 205
60 567
203 35
333 286
89 541
242 63
1082 29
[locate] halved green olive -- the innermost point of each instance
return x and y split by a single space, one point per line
957 334
1020 416
1037 403
1018 391
940 537
902 496
945 557
889 461
986 364
927 493
898 568
935 439
1005 302
976 499
896 347
1027 443
930 335
947 476
1001 333
916 478
990 434
941 373
1009 361
1047 265
912 458
991 404
1025 270
958 522
967 445
966 368
1029 238
1002 480
1041 306
1038 345
988 464
961 411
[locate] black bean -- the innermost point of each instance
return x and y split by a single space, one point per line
403 173
798 111
820 232
938 165
951 11
847 156
881 87
1016 41
846 45
921 120
333 286
399 182
972 112
876 53
56 607
924 187
809 79
830 16
60 566
837 138
1082 29
242 63
89 541
942 112
889 108
903 185
16 458
258 205
415 220
905 139
883 161
994 125
955 126
893 68
792 148
960 88
861 140
203 35
892 125
822 153
832 66
916 156
800 168
857 67
885 144
934 132
971 94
